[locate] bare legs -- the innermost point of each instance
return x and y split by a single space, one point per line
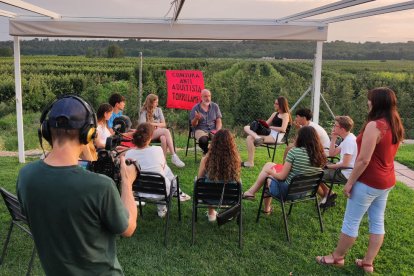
164 136
260 180
251 148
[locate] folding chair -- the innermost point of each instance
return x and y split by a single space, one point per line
154 184
208 194
191 136
19 220
302 188
274 145
158 142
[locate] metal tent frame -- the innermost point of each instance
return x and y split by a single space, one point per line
292 27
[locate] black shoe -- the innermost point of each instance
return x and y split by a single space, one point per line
327 204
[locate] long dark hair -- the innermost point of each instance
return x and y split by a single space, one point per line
102 109
384 105
223 159
284 106
309 139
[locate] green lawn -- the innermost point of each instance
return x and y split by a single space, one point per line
216 251
405 155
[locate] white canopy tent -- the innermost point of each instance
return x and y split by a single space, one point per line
293 27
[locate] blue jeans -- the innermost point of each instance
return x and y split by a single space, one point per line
278 187
365 199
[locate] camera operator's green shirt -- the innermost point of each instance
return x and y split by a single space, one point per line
74 216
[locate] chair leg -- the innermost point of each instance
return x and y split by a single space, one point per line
240 229
319 214
167 223
268 151
329 193
3 254
188 143
261 202
274 154
195 150
178 199
285 221
290 209
140 208
31 261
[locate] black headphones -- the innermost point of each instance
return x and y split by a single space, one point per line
87 131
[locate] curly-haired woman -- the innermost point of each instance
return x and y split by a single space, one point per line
221 163
371 179
306 157
151 113
151 159
278 123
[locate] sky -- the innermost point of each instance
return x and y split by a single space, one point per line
391 27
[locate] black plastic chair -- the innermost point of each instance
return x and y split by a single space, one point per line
19 220
191 136
208 194
302 188
154 184
274 145
158 142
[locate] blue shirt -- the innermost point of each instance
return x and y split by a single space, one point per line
113 116
208 122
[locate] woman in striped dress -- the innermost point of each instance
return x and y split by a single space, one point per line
306 157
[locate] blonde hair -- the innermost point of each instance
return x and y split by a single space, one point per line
149 106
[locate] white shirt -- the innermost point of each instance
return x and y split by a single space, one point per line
151 159
103 133
323 136
348 146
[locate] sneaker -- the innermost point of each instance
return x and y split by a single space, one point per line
184 197
329 202
176 161
213 217
142 203
162 212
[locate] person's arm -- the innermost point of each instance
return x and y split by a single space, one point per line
162 119
219 124
285 122
269 121
195 116
370 139
202 167
128 175
346 162
333 149
281 175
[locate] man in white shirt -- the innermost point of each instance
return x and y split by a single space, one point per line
347 150
303 118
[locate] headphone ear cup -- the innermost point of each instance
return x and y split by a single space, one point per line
87 134
45 131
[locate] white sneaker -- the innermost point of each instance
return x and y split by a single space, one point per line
176 161
184 197
142 203
162 212
213 217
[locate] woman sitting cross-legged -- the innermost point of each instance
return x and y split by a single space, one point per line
278 123
151 113
307 157
152 159
221 163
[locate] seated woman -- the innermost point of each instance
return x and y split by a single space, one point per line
152 114
219 166
151 159
305 158
102 130
278 122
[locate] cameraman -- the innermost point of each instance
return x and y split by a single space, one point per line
74 215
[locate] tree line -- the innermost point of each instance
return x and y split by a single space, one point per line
339 50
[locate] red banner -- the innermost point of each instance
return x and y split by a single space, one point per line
184 88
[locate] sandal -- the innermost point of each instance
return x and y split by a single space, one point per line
248 197
336 261
268 212
243 164
368 268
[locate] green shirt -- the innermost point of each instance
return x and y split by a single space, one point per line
299 159
74 216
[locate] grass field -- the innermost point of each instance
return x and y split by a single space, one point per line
405 155
216 251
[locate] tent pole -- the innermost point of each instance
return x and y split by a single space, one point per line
317 73
140 85
19 101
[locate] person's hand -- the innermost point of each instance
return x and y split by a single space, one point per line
334 135
296 125
347 190
198 115
270 172
128 172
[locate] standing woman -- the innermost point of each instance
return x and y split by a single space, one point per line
371 179
152 114
278 122
103 114
218 166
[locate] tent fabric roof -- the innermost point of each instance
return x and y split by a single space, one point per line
163 29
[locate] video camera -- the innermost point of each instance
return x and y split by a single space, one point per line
121 125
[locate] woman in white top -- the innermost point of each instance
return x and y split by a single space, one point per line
103 114
151 159
278 123
151 113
